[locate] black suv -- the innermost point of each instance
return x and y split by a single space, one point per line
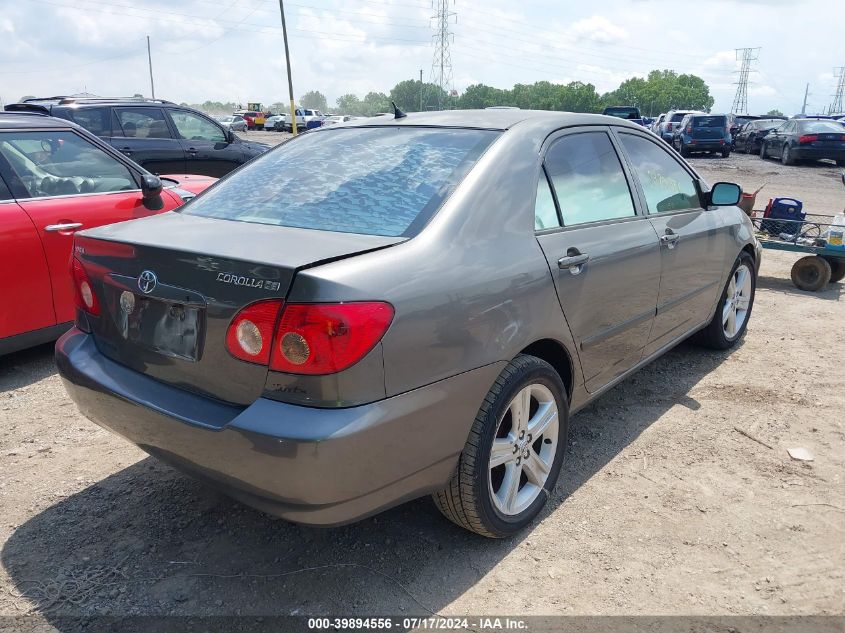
161 136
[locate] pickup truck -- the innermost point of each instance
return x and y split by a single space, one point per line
629 113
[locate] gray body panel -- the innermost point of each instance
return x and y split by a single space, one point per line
470 291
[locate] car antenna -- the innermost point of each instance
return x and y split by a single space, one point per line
397 113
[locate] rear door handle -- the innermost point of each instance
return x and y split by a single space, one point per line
67 226
573 263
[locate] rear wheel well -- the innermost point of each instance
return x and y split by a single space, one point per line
555 355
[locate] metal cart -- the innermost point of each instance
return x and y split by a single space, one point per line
822 263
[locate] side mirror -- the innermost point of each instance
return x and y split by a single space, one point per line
725 194
150 186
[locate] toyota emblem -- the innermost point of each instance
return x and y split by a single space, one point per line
147 280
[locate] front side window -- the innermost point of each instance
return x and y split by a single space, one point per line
196 128
588 179
667 186
376 181
142 123
57 163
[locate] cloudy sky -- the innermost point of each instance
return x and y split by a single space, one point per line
232 50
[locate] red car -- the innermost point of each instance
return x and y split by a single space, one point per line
56 178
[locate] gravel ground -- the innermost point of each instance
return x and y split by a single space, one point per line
677 495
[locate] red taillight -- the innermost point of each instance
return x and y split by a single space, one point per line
324 338
83 291
250 334
808 138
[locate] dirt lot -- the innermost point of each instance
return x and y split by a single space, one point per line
677 495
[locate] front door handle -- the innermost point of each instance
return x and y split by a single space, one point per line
670 239
192 150
67 226
573 263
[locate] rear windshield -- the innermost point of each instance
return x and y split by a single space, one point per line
709 121
678 116
820 127
376 181
623 113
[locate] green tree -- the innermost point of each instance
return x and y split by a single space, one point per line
349 104
406 96
314 100
774 112
662 91
375 102
481 96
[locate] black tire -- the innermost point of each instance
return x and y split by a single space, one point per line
837 269
684 151
786 156
763 150
466 499
840 163
713 335
811 273
726 152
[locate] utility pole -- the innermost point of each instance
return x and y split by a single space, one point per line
421 90
287 60
150 60
441 65
806 94
838 104
749 55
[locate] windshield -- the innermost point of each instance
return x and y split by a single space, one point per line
623 113
709 121
377 181
821 127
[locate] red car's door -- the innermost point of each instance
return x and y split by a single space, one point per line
25 282
69 184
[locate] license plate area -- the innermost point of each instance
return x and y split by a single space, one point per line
167 327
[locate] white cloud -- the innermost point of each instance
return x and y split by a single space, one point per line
596 28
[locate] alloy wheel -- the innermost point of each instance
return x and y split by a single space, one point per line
737 301
524 449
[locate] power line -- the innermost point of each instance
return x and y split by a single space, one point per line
749 55
441 63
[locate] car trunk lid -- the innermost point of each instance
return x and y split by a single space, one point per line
170 285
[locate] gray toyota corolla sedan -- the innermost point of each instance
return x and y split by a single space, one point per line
421 315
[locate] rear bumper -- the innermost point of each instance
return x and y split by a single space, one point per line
817 153
312 466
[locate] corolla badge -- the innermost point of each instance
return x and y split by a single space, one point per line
147 280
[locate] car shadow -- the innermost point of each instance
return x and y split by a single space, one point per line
831 292
26 367
150 541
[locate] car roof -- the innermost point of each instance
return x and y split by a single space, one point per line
14 120
493 119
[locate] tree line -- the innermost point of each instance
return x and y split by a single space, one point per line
660 91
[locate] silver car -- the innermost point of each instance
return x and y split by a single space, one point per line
422 316
234 122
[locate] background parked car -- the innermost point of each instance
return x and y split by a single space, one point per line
629 113
234 122
56 178
655 127
161 136
336 118
673 118
703 133
751 134
275 123
254 119
806 139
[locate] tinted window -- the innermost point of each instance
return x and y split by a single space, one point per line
623 113
667 185
709 121
196 128
677 117
545 213
142 123
376 181
5 194
588 179
55 163
821 127
95 120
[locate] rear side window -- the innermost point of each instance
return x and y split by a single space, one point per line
588 179
376 181
142 123
95 120
667 186
821 127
